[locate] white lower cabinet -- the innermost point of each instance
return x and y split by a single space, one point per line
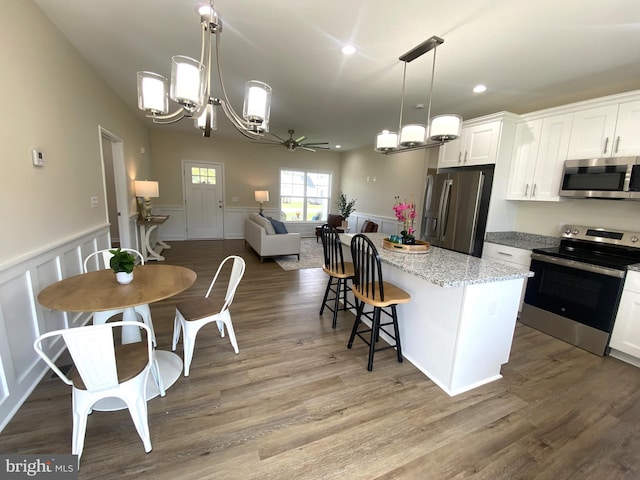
516 257
625 338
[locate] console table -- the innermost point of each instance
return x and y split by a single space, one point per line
147 226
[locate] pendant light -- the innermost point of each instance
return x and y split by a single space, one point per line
438 130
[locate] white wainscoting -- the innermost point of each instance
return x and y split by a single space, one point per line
388 225
175 228
22 319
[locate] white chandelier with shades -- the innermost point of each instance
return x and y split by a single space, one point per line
438 130
191 89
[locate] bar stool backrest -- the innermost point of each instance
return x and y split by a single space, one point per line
332 248
367 266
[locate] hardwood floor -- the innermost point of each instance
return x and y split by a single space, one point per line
295 403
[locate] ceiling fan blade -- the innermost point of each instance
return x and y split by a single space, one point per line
307 149
301 138
279 138
316 143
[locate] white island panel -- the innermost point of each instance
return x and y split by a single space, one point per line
458 327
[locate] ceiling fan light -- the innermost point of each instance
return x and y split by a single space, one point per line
187 82
445 127
152 93
257 102
413 135
386 141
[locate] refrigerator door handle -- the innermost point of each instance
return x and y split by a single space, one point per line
445 202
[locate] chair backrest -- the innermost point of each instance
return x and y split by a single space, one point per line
367 267
332 249
334 220
92 349
102 258
369 227
237 271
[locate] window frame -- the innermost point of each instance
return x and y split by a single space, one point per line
305 197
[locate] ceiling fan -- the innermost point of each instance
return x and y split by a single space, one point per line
292 144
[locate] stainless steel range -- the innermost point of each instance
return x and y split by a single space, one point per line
576 289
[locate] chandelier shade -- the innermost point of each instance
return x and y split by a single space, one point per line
386 141
257 102
413 135
438 130
445 128
187 82
190 88
152 93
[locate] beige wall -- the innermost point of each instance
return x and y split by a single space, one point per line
247 166
52 99
375 179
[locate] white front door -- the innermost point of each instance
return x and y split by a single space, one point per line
203 196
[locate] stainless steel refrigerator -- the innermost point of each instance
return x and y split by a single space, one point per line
455 209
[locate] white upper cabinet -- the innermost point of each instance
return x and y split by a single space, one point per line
627 138
540 149
477 145
609 131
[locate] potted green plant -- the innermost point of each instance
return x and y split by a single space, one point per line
122 263
345 207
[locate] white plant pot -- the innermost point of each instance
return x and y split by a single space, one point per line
124 277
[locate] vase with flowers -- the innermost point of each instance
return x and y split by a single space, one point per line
406 213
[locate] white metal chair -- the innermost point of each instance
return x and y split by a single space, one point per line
103 257
194 314
104 370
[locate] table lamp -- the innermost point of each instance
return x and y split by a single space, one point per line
262 196
145 190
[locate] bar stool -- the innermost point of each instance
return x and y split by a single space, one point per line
339 271
369 288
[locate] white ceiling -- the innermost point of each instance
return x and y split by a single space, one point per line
532 54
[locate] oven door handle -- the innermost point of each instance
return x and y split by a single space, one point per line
587 267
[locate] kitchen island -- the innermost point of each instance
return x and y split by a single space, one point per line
459 325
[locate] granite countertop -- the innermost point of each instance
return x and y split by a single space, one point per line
444 267
634 267
525 241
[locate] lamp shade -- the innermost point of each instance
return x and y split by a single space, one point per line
147 189
262 195
386 141
152 93
445 127
413 135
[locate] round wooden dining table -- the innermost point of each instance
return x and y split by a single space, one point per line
99 291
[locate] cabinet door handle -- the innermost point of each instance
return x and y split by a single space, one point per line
533 192
606 144
526 190
465 156
505 254
617 144
459 156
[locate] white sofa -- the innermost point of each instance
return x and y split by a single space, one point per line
262 237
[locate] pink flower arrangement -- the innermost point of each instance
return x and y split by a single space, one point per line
405 213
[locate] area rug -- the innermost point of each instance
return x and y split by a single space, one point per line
310 256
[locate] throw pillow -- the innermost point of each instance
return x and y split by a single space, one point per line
266 224
278 226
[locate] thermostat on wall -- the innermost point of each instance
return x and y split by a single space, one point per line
38 157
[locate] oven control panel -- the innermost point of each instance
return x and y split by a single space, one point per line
602 235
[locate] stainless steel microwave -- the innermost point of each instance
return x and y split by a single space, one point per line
602 178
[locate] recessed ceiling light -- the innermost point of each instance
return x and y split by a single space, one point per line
338 146
348 49
480 88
